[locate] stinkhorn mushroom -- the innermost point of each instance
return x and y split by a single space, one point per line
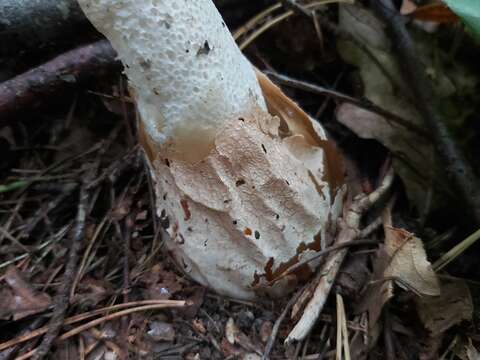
247 184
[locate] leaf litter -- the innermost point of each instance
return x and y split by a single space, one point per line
387 291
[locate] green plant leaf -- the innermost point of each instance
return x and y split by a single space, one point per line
469 13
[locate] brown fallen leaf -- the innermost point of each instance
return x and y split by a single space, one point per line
199 326
403 261
409 265
439 313
19 299
161 284
436 12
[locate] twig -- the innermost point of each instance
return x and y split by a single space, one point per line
110 317
28 89
324 252
81 317
62 297
388 336
458 170
348 232
276 326
364 104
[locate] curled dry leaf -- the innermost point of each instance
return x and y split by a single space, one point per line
402 260
267 192
408 262
454 305
18 298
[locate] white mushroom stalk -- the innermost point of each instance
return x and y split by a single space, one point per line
247 184
187 74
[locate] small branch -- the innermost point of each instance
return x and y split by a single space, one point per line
322 253
348 232
367 105
456 167
30 89
62 297
29 24
278 322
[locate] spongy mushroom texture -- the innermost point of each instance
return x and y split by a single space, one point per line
187 73
252 205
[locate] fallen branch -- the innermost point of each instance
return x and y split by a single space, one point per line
456 167
30 89
62 297
349 230
278 323
29 24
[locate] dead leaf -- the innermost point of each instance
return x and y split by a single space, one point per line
91 292
265 331
161 284
454 305
409 266
413 153
229 350
161 331
437 12
231 331
198 326
19 299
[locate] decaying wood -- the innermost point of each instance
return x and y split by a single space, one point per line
31 89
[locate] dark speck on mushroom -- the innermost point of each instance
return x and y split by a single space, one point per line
240 183
205 49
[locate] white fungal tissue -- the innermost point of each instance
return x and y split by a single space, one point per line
187 73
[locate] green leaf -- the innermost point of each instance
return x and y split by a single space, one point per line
469 13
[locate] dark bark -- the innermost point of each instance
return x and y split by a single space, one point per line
31 89
27 24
